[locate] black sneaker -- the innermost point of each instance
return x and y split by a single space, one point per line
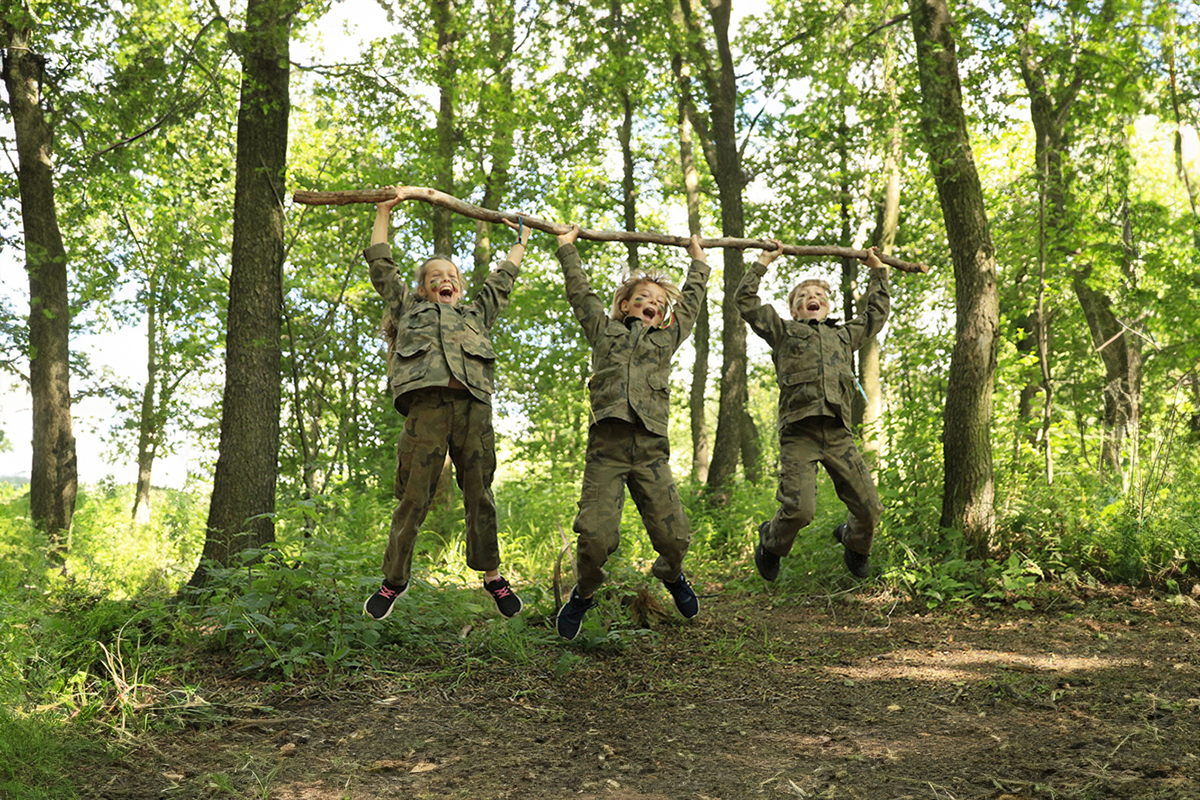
858 564
684 596
379 605
766 561
570 616
506 599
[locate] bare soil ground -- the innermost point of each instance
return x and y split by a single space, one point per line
850 696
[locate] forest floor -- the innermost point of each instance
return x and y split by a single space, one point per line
852 695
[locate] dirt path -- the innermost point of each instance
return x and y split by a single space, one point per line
832 698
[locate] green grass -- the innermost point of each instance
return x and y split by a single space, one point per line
96 655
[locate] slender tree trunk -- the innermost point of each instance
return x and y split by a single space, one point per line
733 420
1186 180
504 119
629 178
445 70
700 333
243 498
968 500
148 418
53 476
885 240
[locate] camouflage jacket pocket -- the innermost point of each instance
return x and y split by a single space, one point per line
480 363
799 386
409 364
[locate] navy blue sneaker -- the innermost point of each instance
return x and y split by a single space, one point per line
570 616
684 596
766 561
506 599
858 564
379 605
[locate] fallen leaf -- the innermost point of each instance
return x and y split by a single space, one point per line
424 766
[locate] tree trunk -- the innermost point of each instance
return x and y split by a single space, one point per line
968 500
629 179
700 333
147 418
53 476
504 120
243 497
869 374
731 408
446 66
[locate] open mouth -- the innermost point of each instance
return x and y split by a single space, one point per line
649 314
446 293
813 306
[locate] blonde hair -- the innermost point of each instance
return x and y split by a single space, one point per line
387 325
626 290
809 282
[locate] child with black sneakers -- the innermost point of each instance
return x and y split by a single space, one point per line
814 366
632 347
440 366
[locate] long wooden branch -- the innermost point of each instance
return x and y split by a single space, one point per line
444 200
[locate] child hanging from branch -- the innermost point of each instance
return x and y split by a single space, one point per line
632 344
440 365
814 360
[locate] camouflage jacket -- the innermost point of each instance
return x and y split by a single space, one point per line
631 364
814 362
435 341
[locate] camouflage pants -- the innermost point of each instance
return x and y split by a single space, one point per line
824 441
442 421
621 453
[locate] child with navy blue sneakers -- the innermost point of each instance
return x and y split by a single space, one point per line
814 367
632 345
440 367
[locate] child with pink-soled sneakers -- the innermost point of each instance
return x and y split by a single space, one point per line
440 366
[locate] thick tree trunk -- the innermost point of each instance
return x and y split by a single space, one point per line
53 476
968 500
243 498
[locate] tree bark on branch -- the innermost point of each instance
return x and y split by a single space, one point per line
434 197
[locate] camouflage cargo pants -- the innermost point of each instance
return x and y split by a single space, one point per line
824 441
442 421
621 453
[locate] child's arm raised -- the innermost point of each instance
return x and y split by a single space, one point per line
762 319
588 307
694 288
385 276
878 302
492 297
